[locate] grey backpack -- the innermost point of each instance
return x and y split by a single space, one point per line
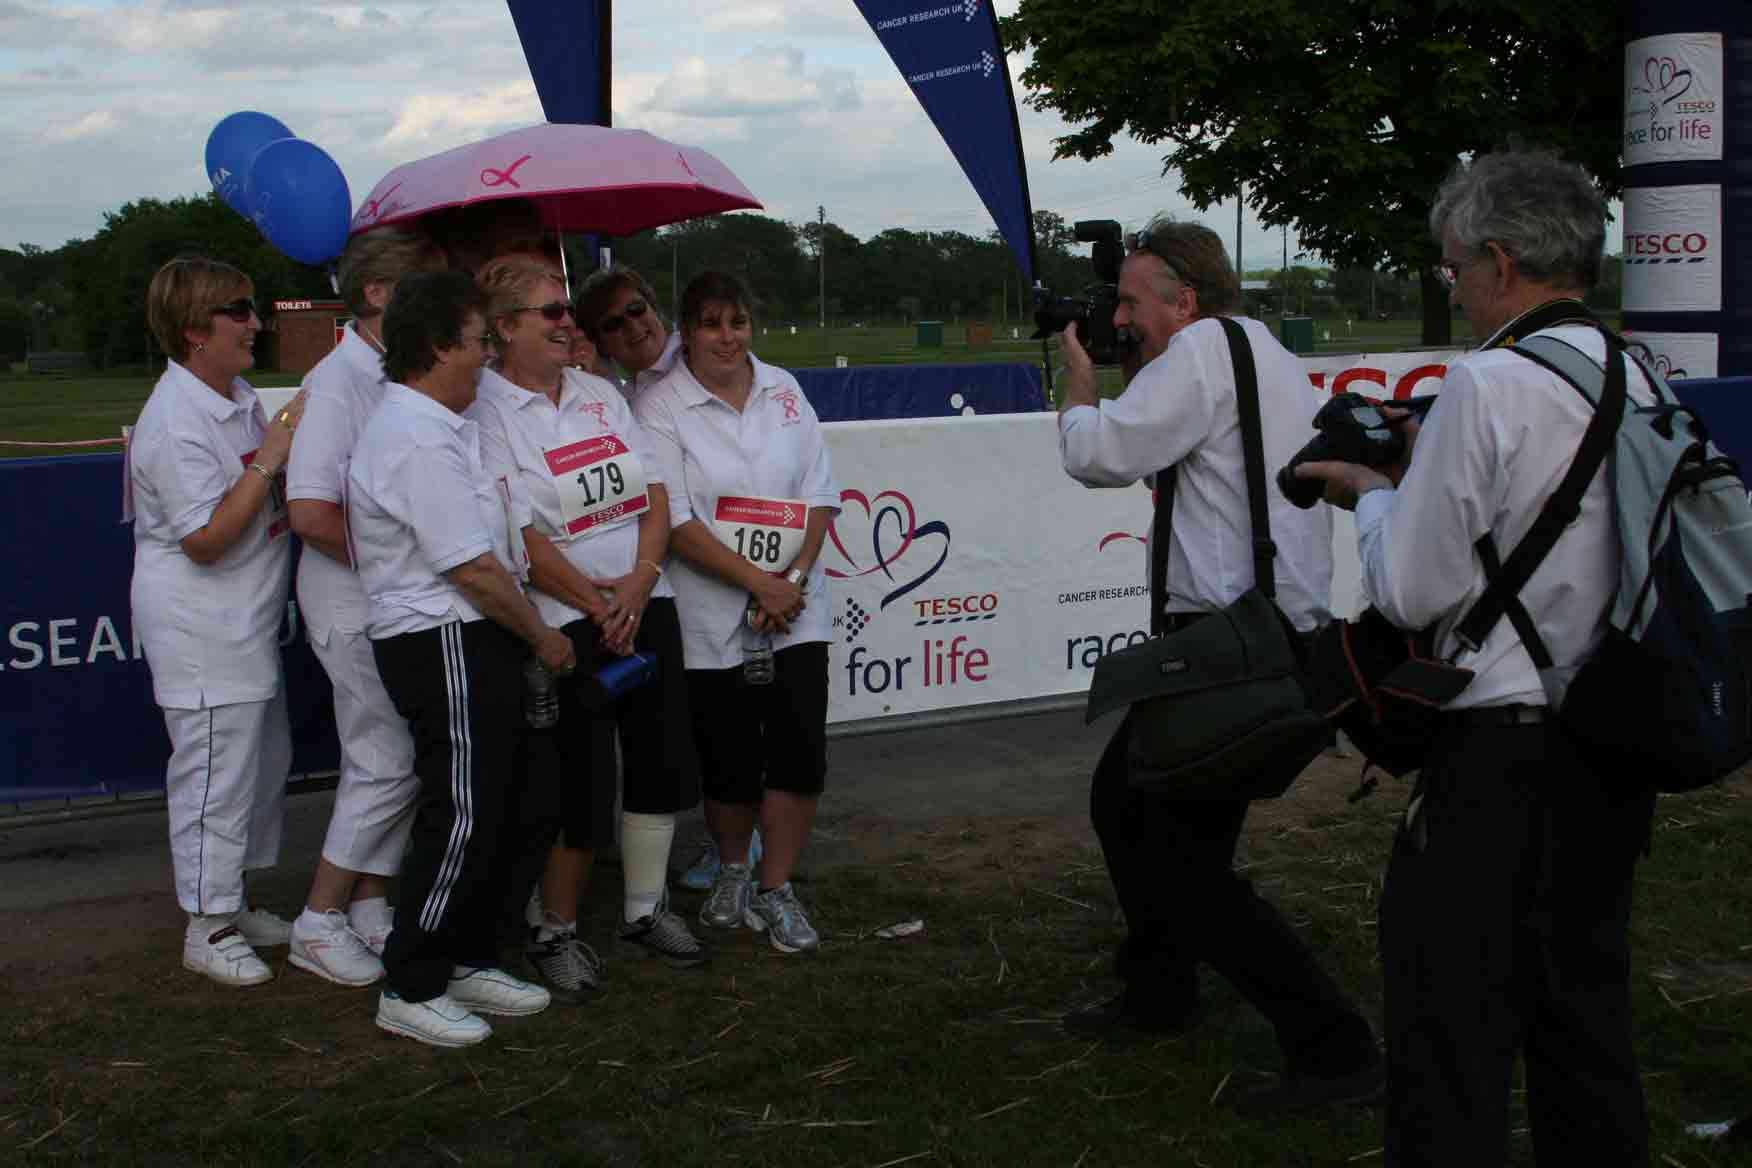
1666 696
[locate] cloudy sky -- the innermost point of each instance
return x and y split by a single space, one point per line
110 100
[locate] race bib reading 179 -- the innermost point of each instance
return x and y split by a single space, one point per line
599 481
768 533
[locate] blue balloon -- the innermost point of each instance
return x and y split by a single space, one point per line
299 200
231 145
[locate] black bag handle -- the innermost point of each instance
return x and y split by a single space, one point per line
1253 454
1504 583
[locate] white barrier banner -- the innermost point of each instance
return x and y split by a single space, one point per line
1677 356
1673 249
965 567
1381 375
1673 98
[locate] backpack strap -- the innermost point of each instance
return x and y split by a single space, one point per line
1253 454
1605 390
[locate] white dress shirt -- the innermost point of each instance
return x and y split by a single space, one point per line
210 631
342 391
419 503
705 450
1500 438
1180 410
519 427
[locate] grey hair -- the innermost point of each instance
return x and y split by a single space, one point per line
383 254
1546 213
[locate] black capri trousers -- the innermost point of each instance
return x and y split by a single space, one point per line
752 738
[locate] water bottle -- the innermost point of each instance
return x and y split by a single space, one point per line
757 651
541 704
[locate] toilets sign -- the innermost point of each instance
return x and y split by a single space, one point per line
1673 99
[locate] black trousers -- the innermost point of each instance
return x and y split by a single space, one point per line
475 846
659 768
1173 866
1502 930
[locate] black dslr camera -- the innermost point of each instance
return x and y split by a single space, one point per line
1094 313
1352 429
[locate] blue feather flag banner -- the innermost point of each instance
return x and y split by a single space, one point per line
952 58
567 45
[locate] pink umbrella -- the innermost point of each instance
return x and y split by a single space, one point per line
584 178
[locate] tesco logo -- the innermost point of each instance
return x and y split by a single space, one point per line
942 610
1671 243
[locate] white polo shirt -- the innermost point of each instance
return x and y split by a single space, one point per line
210 632
1180 411
341 393
550 448
419 503
706 451
1500 438
632 387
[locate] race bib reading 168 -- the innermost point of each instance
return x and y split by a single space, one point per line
599 481
768 533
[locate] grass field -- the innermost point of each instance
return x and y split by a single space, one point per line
70 409
939 1050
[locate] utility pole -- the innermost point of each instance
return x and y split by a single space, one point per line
1286 310
821 253
1240 202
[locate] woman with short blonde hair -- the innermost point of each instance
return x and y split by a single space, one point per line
209 590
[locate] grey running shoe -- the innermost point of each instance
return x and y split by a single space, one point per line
781 918
663 934
567 966
724 908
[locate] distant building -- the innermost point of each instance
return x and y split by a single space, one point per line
302 333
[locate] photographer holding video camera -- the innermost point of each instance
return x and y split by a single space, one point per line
1504 913
1180 423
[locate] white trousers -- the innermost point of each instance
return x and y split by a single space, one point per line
226 791
374 800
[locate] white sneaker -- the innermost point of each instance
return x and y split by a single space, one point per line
262 928
213 947
373 928
437 1021
493 991
326 945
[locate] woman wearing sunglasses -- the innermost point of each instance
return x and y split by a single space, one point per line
751 494
596 568
206 487
618 312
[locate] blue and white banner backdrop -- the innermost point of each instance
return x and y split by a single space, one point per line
567 45
1687 150
952 58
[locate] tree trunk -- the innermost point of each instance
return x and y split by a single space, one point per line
1438 318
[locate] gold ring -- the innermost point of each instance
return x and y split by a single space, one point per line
284 418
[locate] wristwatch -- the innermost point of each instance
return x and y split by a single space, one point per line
795 576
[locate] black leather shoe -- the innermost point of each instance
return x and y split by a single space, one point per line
1114 1018
1309 1092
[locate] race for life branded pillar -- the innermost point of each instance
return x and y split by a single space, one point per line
1687 153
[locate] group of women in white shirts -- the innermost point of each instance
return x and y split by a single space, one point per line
478 506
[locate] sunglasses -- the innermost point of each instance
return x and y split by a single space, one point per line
633 311
554 310
239 310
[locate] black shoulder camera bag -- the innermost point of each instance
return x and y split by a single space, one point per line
1219 708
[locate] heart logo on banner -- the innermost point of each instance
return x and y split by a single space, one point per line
889 527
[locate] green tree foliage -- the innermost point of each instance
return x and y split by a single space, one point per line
1340 118
107 274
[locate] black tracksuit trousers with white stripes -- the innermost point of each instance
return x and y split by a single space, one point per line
478 830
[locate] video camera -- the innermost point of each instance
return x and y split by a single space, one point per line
1094 313
1352 429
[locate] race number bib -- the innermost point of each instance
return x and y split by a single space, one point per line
599 481
768 533
275 510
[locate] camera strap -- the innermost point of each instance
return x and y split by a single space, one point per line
1253 455
1505 579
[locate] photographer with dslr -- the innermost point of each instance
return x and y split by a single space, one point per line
1507 899
1171 860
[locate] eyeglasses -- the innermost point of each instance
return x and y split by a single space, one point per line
633 311
239 310
554 310
480 338
1447 272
